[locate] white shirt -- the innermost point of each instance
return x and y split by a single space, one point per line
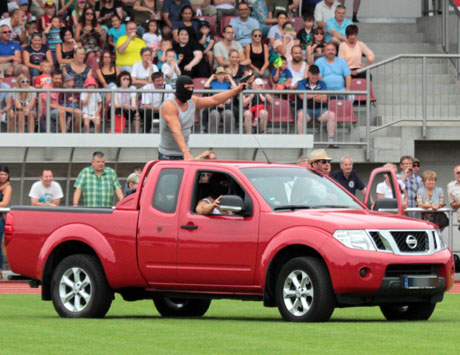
155 100
152 40
323 12
140 73
15 32
44 194
90 109
387 191
165 68
297 75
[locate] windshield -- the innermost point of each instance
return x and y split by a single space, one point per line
293 188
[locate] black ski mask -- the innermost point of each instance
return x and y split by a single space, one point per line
182 93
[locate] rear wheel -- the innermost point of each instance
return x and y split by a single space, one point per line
181 307
412 311
304 291
80 289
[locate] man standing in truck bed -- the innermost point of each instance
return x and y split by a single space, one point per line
97 183
177 116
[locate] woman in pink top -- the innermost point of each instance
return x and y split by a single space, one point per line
352 51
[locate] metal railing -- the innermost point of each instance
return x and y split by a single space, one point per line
446 6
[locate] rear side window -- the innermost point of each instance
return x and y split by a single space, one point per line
167 190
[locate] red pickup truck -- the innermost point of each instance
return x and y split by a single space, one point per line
287 236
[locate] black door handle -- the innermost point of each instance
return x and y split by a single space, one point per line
189 227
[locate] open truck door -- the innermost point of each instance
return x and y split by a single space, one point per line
393 203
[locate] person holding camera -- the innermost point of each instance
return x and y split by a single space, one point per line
129 48
412 182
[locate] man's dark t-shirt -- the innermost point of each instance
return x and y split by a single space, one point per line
353 182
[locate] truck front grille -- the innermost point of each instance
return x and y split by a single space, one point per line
409 242
406 241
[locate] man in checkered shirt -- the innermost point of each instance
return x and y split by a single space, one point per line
97 183
411 181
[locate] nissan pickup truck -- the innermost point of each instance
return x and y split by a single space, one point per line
287 235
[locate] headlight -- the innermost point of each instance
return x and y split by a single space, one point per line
440 242
355 239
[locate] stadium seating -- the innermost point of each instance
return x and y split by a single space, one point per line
298 23
279 111
10 80
212 22
225 22
343 110
361 85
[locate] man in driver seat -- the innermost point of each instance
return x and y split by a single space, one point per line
218 186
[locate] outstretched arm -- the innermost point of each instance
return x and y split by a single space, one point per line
212 101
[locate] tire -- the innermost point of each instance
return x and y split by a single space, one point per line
304 291
412 311
181 307
79 288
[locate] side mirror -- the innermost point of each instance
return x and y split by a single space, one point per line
389 205
232 203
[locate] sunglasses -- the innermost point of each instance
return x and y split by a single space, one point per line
6 31
257 36
25 81
323 161
416 165
90 13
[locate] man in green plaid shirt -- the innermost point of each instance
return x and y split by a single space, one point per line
97 183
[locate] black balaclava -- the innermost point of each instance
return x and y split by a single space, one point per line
182 93
217 189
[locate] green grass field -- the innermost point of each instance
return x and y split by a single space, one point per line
28 325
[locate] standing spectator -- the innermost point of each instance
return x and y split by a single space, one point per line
97 183
320 161
136 170
35 53
117 30
336 26
90 33
222 49
353 50
412 182
276 31
316 49
324 11
244 25
142 70
91 103
204 8
5 199
132 181
65 49
151 102
24 107
297 66
10 52
171 10
153 36
256 114
52 35
281 76
430 196
78 69
453 190
303 161
316 105
46 192
224 8
170 69
348 177
221 81
206 39
129 48
188 22
334 71
5 99
356 4
257 52
416 166
191 58
385 189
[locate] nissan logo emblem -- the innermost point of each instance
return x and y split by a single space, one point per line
411 241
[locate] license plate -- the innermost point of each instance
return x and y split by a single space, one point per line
420 282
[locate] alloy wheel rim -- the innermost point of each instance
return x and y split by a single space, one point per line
298 293
75 289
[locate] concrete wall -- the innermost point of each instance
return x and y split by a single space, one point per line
387 9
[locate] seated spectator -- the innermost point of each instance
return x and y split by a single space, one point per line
117 30
69 111
151 102
281 76
10 53
152 37
384 189
257 52
65 49
356 4
297 66
192 63
44 76
316 49
44 19
206 39
204 8
305 35
324 10
164 46
142 70
46 192
259 11
30 29
105 9
132 181
24 107
129 48
316 105
222 49
235 69
125 102
128 8
276 31
256 114
284 45
5 99
430 196
91 105
353 50
52 35
186 21
78 69
170 69
107 72
287 6
90 33
221 81
145 11
78 11
336 26
224 8
334 70
15 22
36 53
171 10
244 25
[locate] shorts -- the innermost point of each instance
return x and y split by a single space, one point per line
314 114
91 116
255 110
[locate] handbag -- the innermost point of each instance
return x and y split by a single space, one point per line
440 219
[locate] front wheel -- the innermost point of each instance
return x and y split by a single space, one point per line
412 311
80 289
304 291
178 307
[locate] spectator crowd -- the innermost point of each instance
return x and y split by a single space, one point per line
148 44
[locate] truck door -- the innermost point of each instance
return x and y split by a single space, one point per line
216 249
158 224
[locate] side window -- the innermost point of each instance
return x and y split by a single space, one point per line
167 190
